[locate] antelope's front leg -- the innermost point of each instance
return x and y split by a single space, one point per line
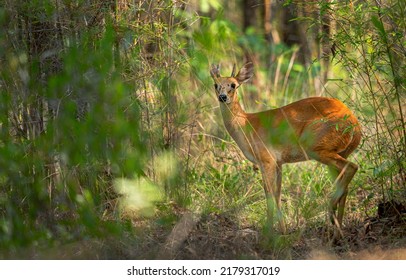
272 180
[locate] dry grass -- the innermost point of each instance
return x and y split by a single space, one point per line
220 236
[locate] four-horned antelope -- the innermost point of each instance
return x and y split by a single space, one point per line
318 128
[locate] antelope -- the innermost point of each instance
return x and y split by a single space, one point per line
315 128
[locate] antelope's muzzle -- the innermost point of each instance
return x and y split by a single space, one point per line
223 97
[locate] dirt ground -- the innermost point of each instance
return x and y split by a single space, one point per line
216 236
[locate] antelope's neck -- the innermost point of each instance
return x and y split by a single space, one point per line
238 126
234 116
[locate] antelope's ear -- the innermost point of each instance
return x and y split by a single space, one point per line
245 73
215 71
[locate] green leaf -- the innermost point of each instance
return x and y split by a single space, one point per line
379 26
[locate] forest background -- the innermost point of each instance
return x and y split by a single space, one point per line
112 144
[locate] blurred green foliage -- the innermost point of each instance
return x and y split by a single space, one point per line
57 182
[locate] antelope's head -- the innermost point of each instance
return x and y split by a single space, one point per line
226 87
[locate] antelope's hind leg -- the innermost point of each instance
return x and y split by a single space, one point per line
343 171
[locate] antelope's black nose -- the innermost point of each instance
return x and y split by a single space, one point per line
222 97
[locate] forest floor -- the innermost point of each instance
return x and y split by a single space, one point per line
217 236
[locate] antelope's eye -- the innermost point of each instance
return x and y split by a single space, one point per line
216 86
233 85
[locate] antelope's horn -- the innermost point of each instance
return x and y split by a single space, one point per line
233 72
215 70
